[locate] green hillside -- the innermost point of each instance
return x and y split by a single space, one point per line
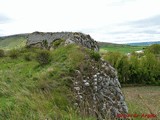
12 42
31 91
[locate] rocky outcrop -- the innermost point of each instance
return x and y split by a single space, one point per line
98 91
38 39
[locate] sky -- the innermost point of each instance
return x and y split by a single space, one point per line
117 21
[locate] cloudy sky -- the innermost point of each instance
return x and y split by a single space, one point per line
118 21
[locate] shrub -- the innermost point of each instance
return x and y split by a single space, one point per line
43 57
28 56
2 53
58 43
95 55
14 54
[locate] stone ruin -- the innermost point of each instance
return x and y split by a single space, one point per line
98 91
96 88
37 39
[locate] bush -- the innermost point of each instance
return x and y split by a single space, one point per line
2 53
45 44
155 49
95 55
58 43
43 57
28 56
14 54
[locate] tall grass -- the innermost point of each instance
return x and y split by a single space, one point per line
33 92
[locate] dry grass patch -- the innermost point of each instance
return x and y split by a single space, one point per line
143 100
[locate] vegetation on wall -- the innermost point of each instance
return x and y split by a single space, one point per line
57 43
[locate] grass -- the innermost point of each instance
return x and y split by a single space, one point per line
31 91
120 48
143 100
13 42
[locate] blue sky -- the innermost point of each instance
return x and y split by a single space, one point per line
118 21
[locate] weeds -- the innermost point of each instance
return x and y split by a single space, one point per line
14 53
2 53
29 56
95 55
43 57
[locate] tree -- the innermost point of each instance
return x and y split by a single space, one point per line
155 49
150 68
112 57
134 70
122 66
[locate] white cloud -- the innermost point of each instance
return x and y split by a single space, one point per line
97 17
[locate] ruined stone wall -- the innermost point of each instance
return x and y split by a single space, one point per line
96 87
69 37
98 91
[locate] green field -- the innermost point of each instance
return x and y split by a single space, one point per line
13 42
120 48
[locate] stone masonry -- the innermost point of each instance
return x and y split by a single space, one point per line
98 91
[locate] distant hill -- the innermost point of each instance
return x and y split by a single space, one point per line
144 43
13 41
104 44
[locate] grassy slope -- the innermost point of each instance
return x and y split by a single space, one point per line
12 42
143 100
29 91
120 48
